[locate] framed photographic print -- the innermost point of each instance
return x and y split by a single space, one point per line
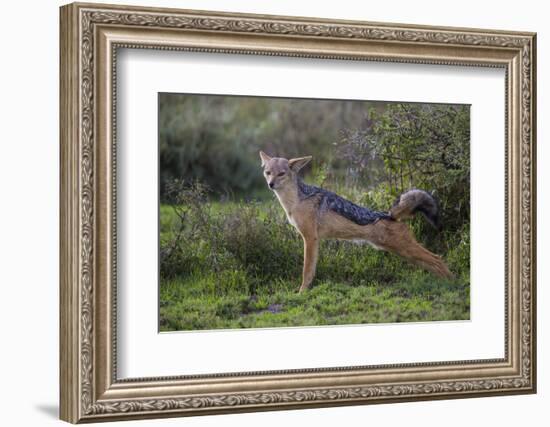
264 212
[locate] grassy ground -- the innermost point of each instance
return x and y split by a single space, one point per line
238 265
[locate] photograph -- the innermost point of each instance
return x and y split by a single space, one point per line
290 212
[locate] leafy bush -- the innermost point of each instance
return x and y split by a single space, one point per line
423 146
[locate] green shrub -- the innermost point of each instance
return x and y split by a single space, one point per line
403 146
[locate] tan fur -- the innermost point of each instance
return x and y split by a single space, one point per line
304 215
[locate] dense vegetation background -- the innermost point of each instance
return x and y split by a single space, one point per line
228 257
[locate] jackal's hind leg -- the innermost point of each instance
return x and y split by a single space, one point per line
422 257
397 238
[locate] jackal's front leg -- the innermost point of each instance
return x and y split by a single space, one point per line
311 252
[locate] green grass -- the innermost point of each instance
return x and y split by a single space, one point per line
238 265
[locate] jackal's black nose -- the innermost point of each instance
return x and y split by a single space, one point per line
271 184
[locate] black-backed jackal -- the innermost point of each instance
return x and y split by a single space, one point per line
320 214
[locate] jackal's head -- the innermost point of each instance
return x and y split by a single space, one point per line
281 173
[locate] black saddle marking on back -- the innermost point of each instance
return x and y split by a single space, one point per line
349 210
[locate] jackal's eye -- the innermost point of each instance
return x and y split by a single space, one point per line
281 174
267 173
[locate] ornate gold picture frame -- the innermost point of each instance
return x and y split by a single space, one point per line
91 34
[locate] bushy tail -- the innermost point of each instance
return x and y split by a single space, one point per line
413 201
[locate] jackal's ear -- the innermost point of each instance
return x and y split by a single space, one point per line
265 158
299 163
